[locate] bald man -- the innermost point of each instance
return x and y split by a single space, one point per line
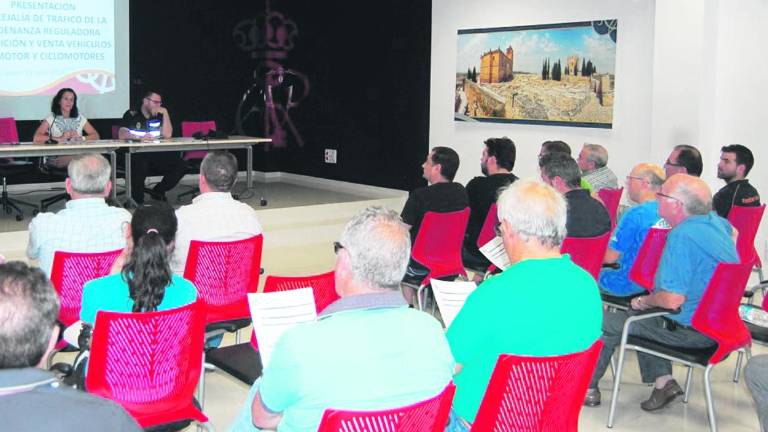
698 242
642 184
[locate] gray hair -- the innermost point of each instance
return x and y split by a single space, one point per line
220 170
379 246
693 202
597 154
28 310
534 209
89 173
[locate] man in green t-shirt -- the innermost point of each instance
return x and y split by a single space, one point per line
508 314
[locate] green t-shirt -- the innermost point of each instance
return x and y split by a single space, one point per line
537 307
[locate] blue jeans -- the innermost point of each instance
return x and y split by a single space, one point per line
456 423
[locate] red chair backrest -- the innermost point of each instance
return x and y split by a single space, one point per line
643 270
587 252
323 288
149 362
487 232
611 199
438 243
430 415
537 393
747 221
717 315
224 273
71 271
188 128
8 132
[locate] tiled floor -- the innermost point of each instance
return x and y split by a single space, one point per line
300 224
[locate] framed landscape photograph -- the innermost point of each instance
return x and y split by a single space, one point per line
553 74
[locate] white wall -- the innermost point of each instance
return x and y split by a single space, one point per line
687 71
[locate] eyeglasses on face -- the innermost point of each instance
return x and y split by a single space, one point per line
663 195
668 163
337 246
155 101
497 229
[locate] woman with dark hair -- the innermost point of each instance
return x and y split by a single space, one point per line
63 124
144 282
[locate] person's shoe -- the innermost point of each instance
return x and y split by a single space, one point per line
592 399
662 397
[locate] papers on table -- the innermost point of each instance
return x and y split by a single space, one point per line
494 251
275 312
450 297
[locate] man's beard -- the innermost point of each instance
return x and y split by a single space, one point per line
723 176
484 169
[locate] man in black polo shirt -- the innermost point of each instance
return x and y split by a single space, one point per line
151 122
587 217
441 195
735 163
497 163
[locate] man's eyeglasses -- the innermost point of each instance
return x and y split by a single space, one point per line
668 163
156 102
337 246
497 229
634 178
662 195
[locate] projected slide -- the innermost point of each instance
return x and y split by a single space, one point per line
47 45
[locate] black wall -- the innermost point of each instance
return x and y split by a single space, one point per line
367 64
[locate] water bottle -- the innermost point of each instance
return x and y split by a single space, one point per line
754 315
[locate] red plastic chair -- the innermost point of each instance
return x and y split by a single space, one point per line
587 252
242 360
189 128
643 270
747 221
430 415
438 245
149 363
717 316
537 393
8 132
69 273
224 273
487 233
611 199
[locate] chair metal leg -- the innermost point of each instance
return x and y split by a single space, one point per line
201 386
688 382
619 368
419 301
710 402
737 370
237 336
613 367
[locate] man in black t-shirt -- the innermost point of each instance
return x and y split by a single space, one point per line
735 163
586 217
496 164
151 122
441 195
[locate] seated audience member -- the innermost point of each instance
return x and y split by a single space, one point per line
756 377
496 165
65 123
593 161
151 121
145 282
684 159
548 147
441 195
32 398
213 215
503 314
643 183
87 224
698 242
353 357
587 217
735 163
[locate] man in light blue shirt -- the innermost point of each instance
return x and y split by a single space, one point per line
642 184
367 350
87 224
698 242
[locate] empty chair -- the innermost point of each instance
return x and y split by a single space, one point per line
149 363
747 221
587 252
716 317
430 415
9 168
537 393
